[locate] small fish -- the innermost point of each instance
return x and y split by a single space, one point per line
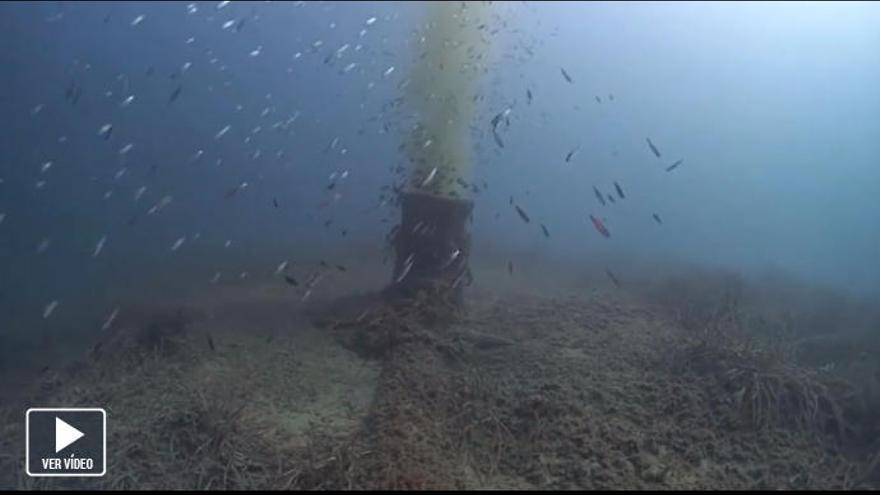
565 75
407 266
598 100
613 278
125 149
674 165
43 246
240 25
230 193
211 343
290 280
599 226
546 233
174 94
137 20
529 95
340 268
222 132
619 190
178 243
610 96
99 247
105 131
611 198
49 309
599 196
522 214
510 267
571 154
429 178
228 24
109 320
275 202
281 267
222 4
657 219
497 138
653 148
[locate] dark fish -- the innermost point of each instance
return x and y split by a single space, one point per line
611 198
599 226
275 202
571 154
230 193
324 264
546 232
657 219
290 280
510 267
331 186
327 223
653 148
73 93
610 96
674 165
44 369
599 196
174 94
619 190
522 214
496 120
498 140
565 75
598 100
240 25
529 95
511 200
344 233
613 278
211 343
340 268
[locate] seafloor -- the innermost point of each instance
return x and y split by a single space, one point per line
543 386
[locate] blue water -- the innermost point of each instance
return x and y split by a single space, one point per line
771 106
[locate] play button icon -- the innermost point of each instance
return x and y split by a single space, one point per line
66 442
65 435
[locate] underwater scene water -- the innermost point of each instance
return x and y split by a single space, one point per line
440 245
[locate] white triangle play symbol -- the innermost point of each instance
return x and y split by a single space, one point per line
65 435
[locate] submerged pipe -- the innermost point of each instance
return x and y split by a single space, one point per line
432 242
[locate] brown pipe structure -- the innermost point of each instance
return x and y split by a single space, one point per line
432 247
